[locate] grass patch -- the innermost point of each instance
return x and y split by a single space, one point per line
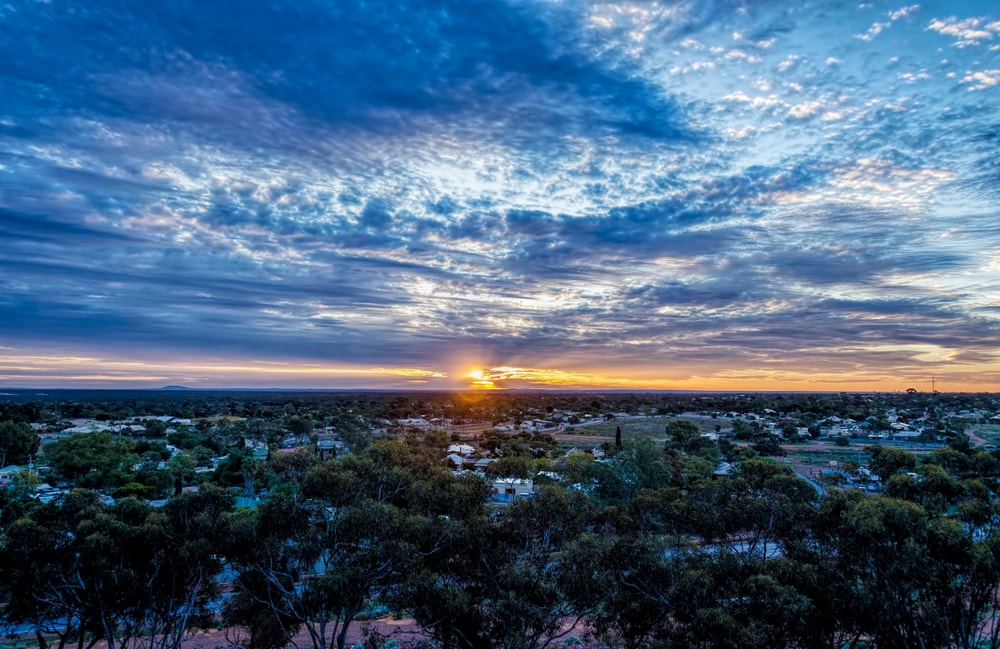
988 432
645 426
821 455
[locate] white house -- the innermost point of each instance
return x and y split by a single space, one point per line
506 490
461 449
8 472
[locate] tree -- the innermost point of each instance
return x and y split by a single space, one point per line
126 574
684 434
762 503
631 585
501 581
39 572
181 467
887 460
301 427
321 553
93 460
904 578
18 442
722 601
509 466
319 565
19 496
155 428
639 465
768 444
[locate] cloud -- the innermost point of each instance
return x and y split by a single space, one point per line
877 27
874 31
981 79
967 32
806 109
903 12
788 63
598 190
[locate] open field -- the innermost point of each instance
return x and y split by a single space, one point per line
988 433
650 426
812 457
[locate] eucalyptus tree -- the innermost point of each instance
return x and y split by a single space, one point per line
630 580
319 555
93 460
128 575
724 600
502 580
18 443
40 574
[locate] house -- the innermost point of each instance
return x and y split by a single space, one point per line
46 493
78 426
506 490
258 448
724 469
8 472
480 466
330 448
461 449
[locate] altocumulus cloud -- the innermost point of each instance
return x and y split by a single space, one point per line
679 194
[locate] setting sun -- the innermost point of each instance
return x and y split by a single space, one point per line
479 380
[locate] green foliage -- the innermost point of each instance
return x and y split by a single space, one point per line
499 581
767 444
509 466
155 428
190 440
345 539
135 489
644 548
887 460
18 442
93 460
124 573
683 434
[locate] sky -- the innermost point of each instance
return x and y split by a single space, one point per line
690 195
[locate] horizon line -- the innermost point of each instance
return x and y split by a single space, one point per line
561 389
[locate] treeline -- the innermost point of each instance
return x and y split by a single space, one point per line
675 558
332 408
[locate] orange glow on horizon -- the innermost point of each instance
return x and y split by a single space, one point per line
480 381
65 369
508 377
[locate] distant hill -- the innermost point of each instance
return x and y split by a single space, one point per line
175 387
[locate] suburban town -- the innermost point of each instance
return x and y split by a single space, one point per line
343 519
917 422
